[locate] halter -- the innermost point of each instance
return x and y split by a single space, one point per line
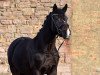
55 23
57 30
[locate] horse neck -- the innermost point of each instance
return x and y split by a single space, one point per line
45 37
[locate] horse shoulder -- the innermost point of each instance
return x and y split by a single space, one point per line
36 59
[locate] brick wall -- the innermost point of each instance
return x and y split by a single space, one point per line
24 18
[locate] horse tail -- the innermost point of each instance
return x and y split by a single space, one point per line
11 50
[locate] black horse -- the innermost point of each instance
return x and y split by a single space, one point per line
39 56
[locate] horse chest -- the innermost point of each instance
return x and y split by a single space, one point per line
48 59
48 62
45 62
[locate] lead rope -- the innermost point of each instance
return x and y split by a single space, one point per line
60 45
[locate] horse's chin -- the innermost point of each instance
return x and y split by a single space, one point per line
60 35
64 37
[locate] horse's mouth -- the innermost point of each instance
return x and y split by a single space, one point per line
65 36
68 37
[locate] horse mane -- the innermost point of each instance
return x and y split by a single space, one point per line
46 23
47 20
45 26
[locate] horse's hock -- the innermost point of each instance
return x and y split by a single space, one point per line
25 18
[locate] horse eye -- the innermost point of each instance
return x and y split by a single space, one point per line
64 21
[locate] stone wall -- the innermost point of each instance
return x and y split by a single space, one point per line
24 18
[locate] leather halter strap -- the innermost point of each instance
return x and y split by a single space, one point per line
57 30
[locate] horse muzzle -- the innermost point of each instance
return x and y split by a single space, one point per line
68 33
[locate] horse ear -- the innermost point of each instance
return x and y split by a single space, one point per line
65 8
54 7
